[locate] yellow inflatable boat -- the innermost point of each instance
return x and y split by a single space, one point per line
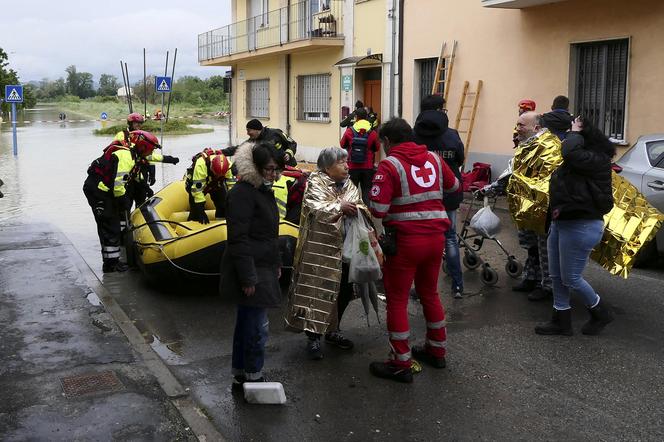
166 245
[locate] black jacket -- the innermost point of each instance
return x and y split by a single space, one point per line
431 129
251 256
581 187
281 141
558 121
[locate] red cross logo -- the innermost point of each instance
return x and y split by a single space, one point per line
424 176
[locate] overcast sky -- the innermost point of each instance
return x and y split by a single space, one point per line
43 37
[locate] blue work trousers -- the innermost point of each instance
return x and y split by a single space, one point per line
452 255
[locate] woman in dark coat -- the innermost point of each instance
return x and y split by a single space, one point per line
251 265
580 194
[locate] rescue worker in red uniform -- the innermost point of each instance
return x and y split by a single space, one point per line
106 191
407 193
362 145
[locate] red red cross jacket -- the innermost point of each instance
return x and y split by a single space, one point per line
408 190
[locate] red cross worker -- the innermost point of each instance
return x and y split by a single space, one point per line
407 193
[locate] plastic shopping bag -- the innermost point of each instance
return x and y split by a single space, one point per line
364 266
485 222
347 250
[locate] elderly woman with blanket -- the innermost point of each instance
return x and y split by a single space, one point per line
320 291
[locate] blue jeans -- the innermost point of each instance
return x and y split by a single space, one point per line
452 255
251 328
570 243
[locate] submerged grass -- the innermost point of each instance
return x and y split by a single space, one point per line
172 127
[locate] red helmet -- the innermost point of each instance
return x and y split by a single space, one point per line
135 118
527 105
144 142
219 165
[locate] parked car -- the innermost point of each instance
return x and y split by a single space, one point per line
643 166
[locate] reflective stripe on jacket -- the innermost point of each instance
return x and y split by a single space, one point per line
408 190
201 179
280 188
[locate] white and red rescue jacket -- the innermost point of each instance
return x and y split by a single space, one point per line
408 190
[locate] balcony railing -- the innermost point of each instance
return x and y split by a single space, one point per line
304 20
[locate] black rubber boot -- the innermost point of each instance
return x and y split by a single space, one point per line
540 294
388 371
600 316
560 324
527 285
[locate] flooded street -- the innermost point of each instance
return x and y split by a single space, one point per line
44 182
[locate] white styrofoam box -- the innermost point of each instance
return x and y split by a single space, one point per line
264 393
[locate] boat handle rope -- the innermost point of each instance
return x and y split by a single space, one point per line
161 249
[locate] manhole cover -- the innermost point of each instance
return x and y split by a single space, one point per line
102 382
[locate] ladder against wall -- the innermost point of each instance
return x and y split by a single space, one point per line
465 119
444 68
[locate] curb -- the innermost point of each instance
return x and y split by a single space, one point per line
178 395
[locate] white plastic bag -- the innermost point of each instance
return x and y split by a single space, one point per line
364 266
485 222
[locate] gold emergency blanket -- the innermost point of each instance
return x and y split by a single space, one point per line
628 226
316 279
528 190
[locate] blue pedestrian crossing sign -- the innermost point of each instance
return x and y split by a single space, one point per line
104 116
162 84
14 93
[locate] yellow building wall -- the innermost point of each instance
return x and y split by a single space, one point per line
256 70
311 136
369 21
526 54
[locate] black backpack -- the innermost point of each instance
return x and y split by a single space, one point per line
358 147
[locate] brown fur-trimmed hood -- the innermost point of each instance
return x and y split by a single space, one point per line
244 162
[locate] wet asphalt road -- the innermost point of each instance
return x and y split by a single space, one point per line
502 382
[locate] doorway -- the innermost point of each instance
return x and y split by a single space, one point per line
370 79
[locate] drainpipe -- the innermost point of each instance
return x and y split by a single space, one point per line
393 13
288 71
400 62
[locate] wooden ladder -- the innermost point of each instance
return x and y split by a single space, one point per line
444 70
469 101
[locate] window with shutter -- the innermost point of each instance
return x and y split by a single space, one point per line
427 74
600 89
313 97
258 98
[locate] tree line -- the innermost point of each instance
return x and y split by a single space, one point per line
80 85
10 76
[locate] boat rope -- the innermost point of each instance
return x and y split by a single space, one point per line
161 249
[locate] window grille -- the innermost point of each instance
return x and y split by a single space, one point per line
427 75
313 99
258 98
601 84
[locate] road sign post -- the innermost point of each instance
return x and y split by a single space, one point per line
13 95
162 85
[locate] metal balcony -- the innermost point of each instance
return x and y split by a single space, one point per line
516 4
311 21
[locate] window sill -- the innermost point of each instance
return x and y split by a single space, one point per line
314 121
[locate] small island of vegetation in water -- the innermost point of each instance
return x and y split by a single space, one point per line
172 127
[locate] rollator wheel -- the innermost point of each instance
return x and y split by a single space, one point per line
489 275
471 261
513 268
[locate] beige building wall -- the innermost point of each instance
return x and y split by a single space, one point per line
526 54
267 68
312 135
369 21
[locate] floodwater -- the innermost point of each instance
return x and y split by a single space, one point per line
44 182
